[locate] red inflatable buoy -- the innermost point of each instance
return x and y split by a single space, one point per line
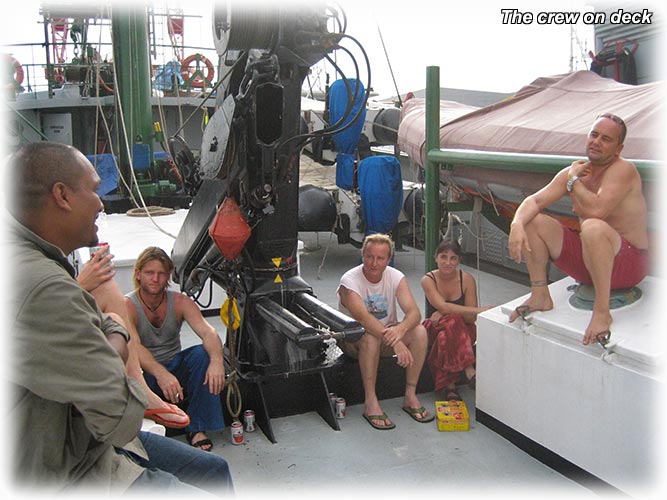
229 229
17 69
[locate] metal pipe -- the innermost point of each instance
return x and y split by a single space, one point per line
432 188
27 122
287 323
50 76
349 329
524 162
130 43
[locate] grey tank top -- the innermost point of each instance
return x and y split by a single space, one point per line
163 342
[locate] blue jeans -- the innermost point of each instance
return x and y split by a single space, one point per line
189 367
173 466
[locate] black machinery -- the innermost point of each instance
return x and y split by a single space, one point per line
241 230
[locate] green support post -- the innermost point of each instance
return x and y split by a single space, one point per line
131 53
527 162
432 189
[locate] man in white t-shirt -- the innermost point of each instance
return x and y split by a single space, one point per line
369 293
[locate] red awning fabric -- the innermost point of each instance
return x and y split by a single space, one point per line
552 115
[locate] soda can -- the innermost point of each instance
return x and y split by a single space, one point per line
333 397
340 408
100 247
249 420
237 432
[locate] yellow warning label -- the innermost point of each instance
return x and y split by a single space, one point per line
276 261
278 279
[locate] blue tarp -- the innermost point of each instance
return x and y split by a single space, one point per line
141 157
164 76
381 189
346 142
106 168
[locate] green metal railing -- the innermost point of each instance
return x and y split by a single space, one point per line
432 173
523 162
437 159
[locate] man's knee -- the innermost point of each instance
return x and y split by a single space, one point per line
418 336
117 318
549 231
595 233
366 344
595 228
369 344
109 296
541 223
197 355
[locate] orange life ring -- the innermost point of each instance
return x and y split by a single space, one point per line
194 75
18 69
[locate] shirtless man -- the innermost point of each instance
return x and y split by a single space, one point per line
610 251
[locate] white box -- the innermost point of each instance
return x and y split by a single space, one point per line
595 408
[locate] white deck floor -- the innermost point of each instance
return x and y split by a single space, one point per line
311 458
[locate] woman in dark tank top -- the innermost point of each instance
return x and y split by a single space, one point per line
451 301
462 298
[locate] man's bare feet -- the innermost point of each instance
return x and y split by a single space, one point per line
375 410
413 402
600 324
534 303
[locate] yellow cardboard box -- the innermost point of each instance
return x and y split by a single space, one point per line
452 416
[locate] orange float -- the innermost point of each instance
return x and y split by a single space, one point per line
194 77
17 69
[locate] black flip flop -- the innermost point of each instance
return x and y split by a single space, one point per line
202 442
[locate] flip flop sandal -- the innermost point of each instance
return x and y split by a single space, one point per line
383 417
413 412
603 338
154 415
202 442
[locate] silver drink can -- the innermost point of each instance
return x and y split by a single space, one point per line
333 397
100 247
340 408
237 432
249 420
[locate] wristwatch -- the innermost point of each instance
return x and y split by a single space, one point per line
570 183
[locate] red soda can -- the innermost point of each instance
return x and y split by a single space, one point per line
237 432
340 408
249 420
100 247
